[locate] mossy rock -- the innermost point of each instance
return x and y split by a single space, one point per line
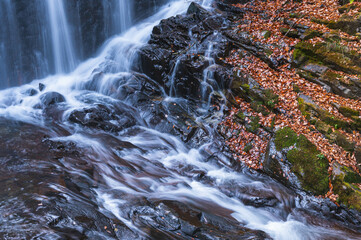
266 34
310 166
295 15
348 112
248 147
340 139
323 128
290 33
296 88
348 24
349 194
333 55
240 117
258 107
254 125
309 34
270 99
285 138
310 110
352 177
358 156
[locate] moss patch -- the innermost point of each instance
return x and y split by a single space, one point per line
254 125
343 142
322 127
332 55
285 138
310 166
289 33
309 34
348 112
248 147
309 110
270 98
349 194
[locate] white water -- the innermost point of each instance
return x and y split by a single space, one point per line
9 39
123 17
62 42
161 149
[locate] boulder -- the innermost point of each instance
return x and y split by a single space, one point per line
51 98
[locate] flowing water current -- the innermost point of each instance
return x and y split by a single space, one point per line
140 182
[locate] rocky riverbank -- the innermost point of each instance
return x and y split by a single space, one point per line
289 71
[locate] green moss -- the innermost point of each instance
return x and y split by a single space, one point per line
333 55
349 194
254 125
348 112
245 87
240 117
309 34
332 120
285 138
343 142
248 147
331 76
270 98
310 110
296 88
295 15
268 51
323 128
346 24
258 107
266 34
352 177
308 165
289 33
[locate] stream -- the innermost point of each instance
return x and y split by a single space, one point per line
91 152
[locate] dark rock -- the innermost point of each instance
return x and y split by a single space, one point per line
31 92
41 87
51 98
154 61
102 117
315 68
175 55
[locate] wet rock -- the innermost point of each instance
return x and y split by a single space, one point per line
154 61
31 92
102 117
176 54
41 87
51 98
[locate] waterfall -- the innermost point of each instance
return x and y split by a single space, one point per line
62 43
81 182
10 47
118 15
123 17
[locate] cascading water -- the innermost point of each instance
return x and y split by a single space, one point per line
66 178
10 51
62 43
118 15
